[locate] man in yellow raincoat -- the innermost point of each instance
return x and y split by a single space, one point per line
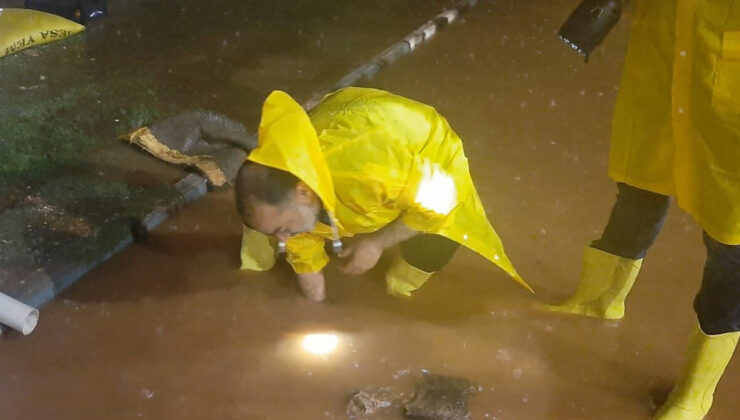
676 132
366 163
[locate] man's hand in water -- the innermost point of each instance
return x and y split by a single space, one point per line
363 254
366 252
312 285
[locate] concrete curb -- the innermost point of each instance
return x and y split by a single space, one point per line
42 286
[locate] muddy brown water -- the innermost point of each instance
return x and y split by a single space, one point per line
170 328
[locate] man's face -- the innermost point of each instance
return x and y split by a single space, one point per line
296 214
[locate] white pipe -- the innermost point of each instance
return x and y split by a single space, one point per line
17 315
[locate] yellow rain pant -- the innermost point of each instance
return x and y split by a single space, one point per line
22 28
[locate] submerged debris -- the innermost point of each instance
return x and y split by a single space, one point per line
440 397
369 401
437 397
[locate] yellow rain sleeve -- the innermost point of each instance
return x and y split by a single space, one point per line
306 254
22 28
258 250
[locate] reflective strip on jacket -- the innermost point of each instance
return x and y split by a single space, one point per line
373 157
676 127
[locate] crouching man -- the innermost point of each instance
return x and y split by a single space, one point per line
365 163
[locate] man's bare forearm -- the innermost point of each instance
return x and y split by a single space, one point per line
393 234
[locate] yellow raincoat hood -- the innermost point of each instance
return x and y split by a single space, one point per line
288 141
372 158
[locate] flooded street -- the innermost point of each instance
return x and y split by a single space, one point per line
170 329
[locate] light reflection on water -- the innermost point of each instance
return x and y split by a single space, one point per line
320 344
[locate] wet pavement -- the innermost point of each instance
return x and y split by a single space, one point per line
170 328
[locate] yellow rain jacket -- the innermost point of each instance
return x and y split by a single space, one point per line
373 157
676 127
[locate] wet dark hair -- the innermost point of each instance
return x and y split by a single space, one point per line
266 184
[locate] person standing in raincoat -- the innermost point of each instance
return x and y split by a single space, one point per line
368 163
676 133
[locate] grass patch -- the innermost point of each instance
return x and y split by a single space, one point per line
53 117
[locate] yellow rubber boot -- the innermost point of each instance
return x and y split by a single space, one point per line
606 280
403 278
708 356
258 251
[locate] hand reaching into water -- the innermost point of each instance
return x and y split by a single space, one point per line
363 254
312 285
